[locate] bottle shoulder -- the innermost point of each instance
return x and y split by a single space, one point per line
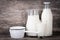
46 13
48 10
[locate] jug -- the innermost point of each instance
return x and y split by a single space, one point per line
32 21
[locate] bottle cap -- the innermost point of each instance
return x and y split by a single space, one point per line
46 2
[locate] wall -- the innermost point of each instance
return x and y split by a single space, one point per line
13 12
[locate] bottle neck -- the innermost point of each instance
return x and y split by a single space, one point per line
47 6
33 12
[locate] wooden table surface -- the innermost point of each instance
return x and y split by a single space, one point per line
55 36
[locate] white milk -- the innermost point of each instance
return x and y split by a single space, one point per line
17 32
30 26
39 26
32 23
47 19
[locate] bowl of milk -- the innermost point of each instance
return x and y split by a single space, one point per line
17 31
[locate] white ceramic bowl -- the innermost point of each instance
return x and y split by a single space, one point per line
17 31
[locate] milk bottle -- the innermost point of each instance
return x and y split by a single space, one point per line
32 22
47 19
39 25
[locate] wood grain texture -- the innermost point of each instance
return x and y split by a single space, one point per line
13 12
